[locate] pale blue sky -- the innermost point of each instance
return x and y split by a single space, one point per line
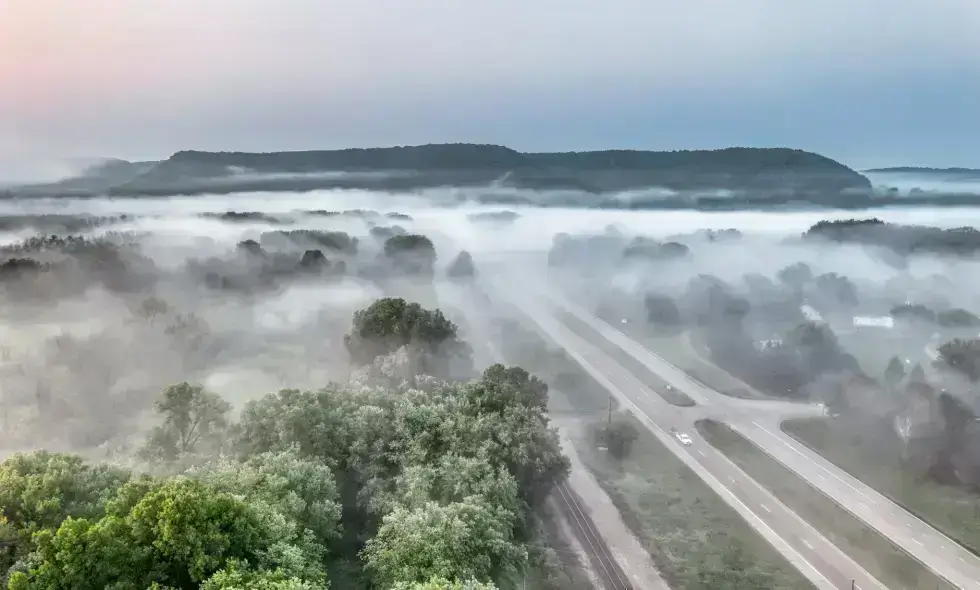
869 82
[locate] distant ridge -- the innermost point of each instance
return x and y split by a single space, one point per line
925 170
761 171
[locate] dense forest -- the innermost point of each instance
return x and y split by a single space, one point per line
401 478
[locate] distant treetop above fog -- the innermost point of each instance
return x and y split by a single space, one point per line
903 239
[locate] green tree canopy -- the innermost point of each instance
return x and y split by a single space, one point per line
462 540
392 323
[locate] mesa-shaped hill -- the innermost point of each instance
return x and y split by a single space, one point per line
472 164
756 172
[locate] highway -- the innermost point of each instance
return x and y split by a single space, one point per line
759 421
817 558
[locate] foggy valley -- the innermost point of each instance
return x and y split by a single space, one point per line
351 336
438 295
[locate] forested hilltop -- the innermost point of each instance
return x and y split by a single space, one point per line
769 171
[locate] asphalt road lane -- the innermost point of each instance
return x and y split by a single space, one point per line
931 547
818 559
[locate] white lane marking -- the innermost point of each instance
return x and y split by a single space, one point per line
918 542
764 507
700 452
807 543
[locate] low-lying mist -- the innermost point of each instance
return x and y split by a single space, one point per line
107 301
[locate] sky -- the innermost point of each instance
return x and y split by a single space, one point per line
870 82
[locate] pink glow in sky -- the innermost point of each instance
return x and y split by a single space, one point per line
143 78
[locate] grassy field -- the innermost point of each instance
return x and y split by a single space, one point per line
954 511
887 562
695 539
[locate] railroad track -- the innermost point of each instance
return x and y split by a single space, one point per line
605 566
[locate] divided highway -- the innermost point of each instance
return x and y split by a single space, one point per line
758 421
816 557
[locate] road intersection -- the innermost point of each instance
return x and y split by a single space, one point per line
759 421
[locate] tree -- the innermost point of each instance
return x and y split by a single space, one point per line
894 372
301 489
193 420
411 254
911 311
917 376
817 344
795 275
177 535
837 288
501 388
462 540
391 323
618 435
957 318
238 577
962 356
462 267
39 490
440 583
661 310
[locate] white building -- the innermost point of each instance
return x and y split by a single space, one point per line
810 314
874 322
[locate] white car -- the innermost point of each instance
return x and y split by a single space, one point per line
684 439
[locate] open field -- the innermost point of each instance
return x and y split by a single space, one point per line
954 511
880 557
694 538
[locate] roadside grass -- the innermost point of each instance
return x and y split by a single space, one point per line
672 396
954 511
887 562
694 538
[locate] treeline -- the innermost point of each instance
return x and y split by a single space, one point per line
51 266
902 239
405 478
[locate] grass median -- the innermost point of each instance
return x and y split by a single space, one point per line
627 361
952 510
887 562
694 538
